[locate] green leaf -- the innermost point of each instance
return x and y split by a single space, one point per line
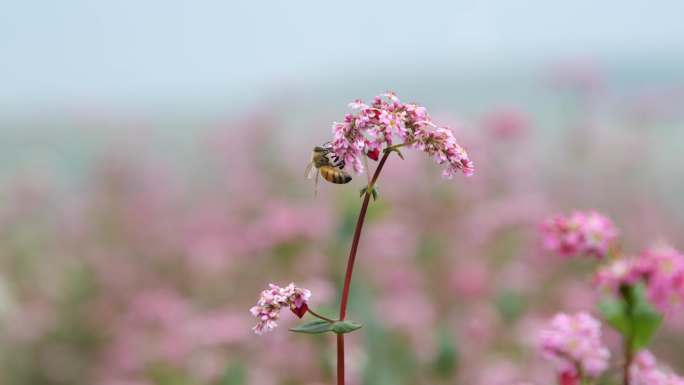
313 327
632 315
399 153
343 327
374 192
645 321
510 305
395 149
615 313
446 360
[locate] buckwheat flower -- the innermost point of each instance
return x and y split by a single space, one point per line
573 343
274 299
617 273
580 233
297 298
645 371
660 269
374 126
348 142
507 123
663 269
442 146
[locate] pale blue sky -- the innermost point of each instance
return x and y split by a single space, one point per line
63 53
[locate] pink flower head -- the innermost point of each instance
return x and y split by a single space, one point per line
581 233
442 146
660 268
619 272
273 299
645 371
663 270
374 126
507 123
573 343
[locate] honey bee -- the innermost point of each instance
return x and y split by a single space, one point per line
325 162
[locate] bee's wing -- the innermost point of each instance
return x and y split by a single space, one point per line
310 171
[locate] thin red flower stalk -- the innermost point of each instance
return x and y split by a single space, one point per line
352 259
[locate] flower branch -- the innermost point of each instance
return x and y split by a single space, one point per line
362 135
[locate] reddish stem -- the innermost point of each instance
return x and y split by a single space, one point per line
628 338
340 359
357 236
350 265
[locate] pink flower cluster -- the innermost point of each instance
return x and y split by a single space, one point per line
573 342
373 126
661 268
645 371
273 299
580 233
507 123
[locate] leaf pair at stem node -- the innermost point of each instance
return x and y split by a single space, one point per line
394 149
632 315
321 326
373 192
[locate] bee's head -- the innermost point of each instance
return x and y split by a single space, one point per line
325 147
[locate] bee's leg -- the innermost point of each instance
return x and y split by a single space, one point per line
316 184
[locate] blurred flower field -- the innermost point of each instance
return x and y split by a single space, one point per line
139 265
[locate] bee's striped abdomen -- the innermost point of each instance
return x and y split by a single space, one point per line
334 175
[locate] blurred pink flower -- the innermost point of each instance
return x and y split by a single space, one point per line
645 371
661 268
580 233
158 306
498 372
267 309
217 328
573 343
470 279
506 123
390 241
621 271
411 311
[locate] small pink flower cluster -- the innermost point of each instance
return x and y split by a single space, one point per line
273 299
573 342
372 126
581 233
645 371
617 273
661 268
507 123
